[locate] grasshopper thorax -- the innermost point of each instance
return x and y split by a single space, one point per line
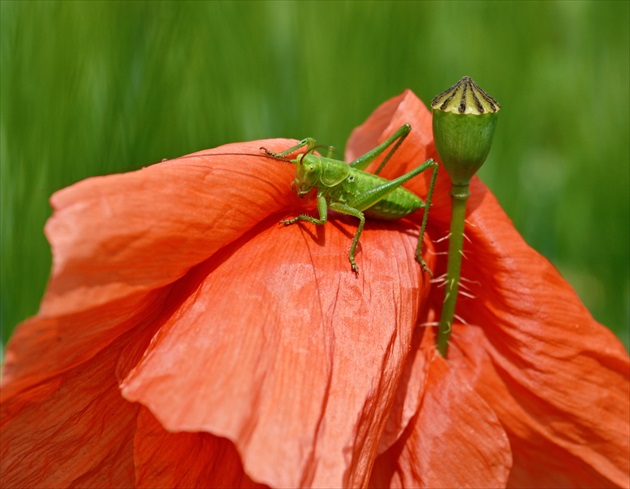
317 171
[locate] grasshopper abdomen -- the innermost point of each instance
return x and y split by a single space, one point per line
395 205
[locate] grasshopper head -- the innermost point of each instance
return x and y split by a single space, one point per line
307 172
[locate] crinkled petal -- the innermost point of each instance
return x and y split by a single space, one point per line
284 351
74 430
409 394
557 379
118 238
164 459
454 440
417 148
150 227
254 330
112 278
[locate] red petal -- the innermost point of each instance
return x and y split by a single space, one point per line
557 379
280 306
118 238
455 440
112 270
281 349
168 212
72 430
164 459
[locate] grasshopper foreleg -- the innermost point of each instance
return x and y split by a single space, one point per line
308 142
351 211
322 209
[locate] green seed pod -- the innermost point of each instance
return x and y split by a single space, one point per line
464 119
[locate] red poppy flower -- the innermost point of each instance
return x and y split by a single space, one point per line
187 340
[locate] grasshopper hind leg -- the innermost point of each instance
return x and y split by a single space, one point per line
423 264
425 218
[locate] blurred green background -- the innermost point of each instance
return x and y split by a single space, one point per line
90 88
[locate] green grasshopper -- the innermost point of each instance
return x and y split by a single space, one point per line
347 189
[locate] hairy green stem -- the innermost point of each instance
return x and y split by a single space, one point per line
459 196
